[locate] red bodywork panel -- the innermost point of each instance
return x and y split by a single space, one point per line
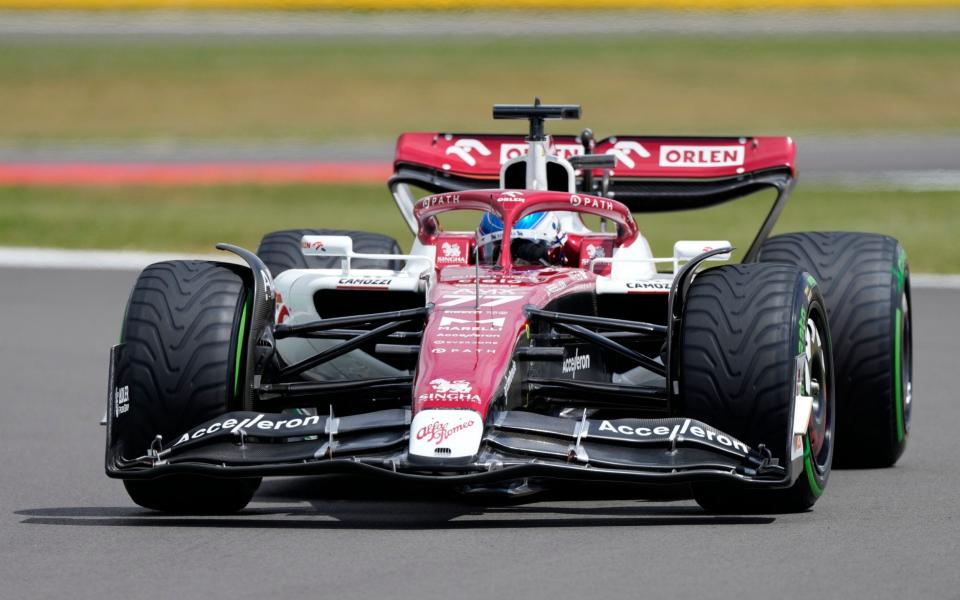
469 338
468 342
480 156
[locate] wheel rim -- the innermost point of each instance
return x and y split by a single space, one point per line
815 383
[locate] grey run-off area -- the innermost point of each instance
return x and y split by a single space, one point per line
68 531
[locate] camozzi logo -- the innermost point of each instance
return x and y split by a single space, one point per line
701 156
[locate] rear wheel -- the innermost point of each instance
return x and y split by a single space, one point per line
184 332
866 284
755 339
281 250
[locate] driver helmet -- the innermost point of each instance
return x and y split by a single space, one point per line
533 237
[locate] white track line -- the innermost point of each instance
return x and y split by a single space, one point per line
930 281
128 260
95 260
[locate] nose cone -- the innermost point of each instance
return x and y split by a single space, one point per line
446 433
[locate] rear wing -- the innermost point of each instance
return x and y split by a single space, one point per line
651 173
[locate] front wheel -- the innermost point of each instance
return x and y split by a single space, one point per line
755 343
184 330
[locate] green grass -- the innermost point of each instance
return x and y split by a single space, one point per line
308 89
193 219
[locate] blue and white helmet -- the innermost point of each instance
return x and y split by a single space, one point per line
540 227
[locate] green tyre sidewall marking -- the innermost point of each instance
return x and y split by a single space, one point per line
241 339
897 378
900 282
815 488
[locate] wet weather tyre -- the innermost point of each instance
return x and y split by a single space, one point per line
744 327
184 332
281 250
865 281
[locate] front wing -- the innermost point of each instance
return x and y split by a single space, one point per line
515 444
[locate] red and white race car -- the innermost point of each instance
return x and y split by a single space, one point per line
569 352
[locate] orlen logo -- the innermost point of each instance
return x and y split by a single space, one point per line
701 156
317 245
623 150
464 150
436 432
511 197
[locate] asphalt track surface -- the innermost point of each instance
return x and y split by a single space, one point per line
69 532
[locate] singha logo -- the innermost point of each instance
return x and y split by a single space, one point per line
442 386
450 250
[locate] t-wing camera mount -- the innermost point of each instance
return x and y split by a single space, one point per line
536 113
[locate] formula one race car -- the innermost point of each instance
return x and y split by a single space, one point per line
531 350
